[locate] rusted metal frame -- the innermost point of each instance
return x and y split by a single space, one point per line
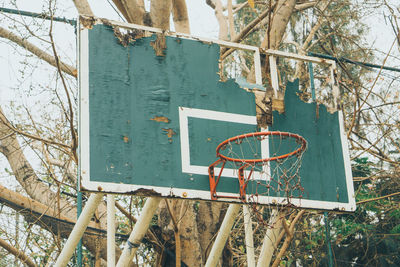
273 54
278 53
256 50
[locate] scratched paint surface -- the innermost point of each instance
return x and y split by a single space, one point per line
322 171
131 86
134 97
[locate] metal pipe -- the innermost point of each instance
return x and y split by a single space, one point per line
270 238
343 59
257 67
37 15
138 231
274 75
311 71
223 235
110 230
78 213
79 229
328 239
248 231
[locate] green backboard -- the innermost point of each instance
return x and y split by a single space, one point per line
151 119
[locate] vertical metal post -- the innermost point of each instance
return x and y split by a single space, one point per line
110 230
79 261
248 231
257 66
79 211
269 243
79 229
328 239
311 70
334 85
138 231
274 74
222 236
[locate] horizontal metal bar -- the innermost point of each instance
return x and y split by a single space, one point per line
37 15
343 59
179 35
296 56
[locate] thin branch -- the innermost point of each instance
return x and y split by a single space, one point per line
369 92
70 70
246 31
4 121
74 137
289 237
17 253
377 198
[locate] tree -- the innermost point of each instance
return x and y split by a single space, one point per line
39 142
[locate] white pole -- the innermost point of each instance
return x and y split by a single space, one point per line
274 75
79 229
138 231
248 231
222 236
270 238
110 230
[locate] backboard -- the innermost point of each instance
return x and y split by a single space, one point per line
154 109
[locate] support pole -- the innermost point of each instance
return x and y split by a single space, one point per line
110 230
312 85
138 231
274 75
79 229
328 239
222 236
270 238
248 231
78 213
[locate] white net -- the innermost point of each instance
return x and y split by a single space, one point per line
267 164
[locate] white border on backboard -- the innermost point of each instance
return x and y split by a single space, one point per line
84 146
184 113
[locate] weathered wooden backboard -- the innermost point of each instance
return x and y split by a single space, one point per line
151 117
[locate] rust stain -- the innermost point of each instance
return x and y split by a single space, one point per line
160 119
87 22
127 36
146 192
263 108
170 133
159 45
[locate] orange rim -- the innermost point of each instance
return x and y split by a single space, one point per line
299 138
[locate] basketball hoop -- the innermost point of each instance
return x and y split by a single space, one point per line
275 169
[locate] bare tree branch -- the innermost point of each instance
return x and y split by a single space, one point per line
37 51
180 16
17 253
83 7
132 10
160 11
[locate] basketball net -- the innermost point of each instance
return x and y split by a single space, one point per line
266 164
